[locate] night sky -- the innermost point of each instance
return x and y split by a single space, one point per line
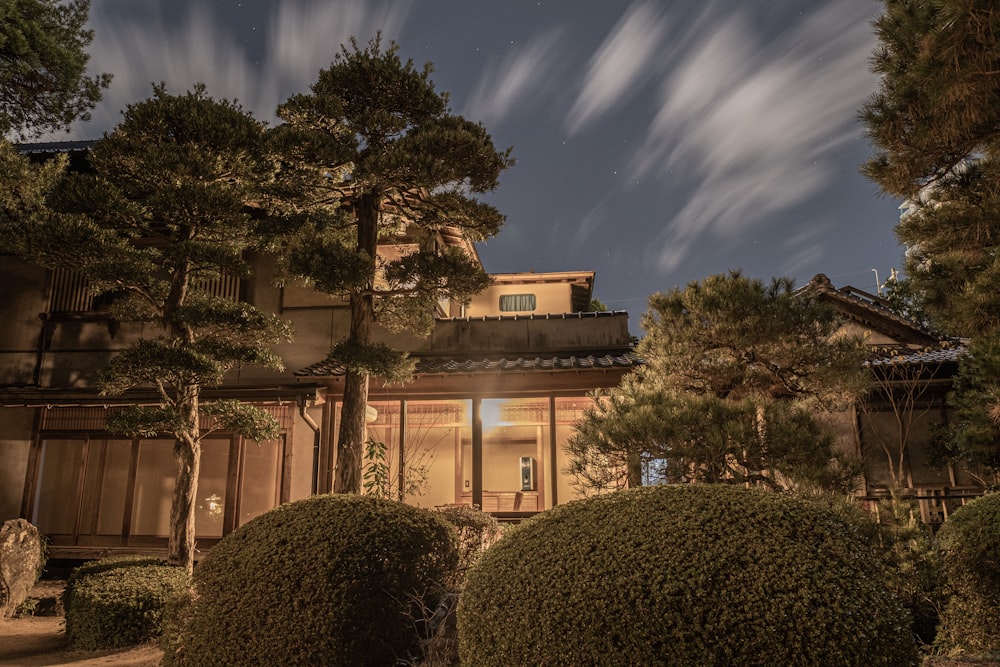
657 142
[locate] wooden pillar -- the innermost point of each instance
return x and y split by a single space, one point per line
402 449
477 452
553 473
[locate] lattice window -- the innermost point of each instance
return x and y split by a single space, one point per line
94 418
69 292
225 286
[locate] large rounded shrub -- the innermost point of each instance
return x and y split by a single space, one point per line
330 580
969 542
683 575
119 601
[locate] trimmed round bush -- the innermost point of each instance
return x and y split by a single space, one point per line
969 543
329 580
117 602
683 575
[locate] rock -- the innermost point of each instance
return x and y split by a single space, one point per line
20 563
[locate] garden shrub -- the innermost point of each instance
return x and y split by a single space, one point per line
329 580
969 543
476 530
119 601
912 563
683 575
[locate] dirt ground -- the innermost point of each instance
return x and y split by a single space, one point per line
40 641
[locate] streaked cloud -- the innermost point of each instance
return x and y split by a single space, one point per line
621 62
583 229
300 37
802 249
514 83
748 126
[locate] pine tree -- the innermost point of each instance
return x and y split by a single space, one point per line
934 122
735 371
43 62
973 431
373 157
165 210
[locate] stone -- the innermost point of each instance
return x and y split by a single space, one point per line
20 563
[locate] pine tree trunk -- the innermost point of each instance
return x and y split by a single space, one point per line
187 453
350 445
352 434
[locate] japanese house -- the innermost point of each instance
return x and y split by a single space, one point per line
499 385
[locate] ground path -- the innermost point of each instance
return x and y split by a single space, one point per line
39 641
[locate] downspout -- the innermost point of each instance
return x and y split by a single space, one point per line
315 429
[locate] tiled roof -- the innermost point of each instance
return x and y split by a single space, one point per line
547 316
938 356
439 365
54 147
870 309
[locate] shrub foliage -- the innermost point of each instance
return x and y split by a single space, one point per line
683 575
330 580
476 530
969 543
119 601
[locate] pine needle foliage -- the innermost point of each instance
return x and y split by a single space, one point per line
44 85
933 122
378 177
735 371
165 210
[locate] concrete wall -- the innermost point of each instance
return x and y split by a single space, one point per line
549 298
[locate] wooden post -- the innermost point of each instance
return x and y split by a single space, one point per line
477 452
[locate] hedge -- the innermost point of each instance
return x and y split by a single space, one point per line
684 575
329 580
969 543
119 601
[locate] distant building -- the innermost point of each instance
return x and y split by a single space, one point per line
892 430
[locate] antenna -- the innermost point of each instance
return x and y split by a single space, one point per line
878 285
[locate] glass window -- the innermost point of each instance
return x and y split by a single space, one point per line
383 427
515 439
435 431
510 303
154 487
211 504
57 493
569 411
433 436
261 478
105 487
